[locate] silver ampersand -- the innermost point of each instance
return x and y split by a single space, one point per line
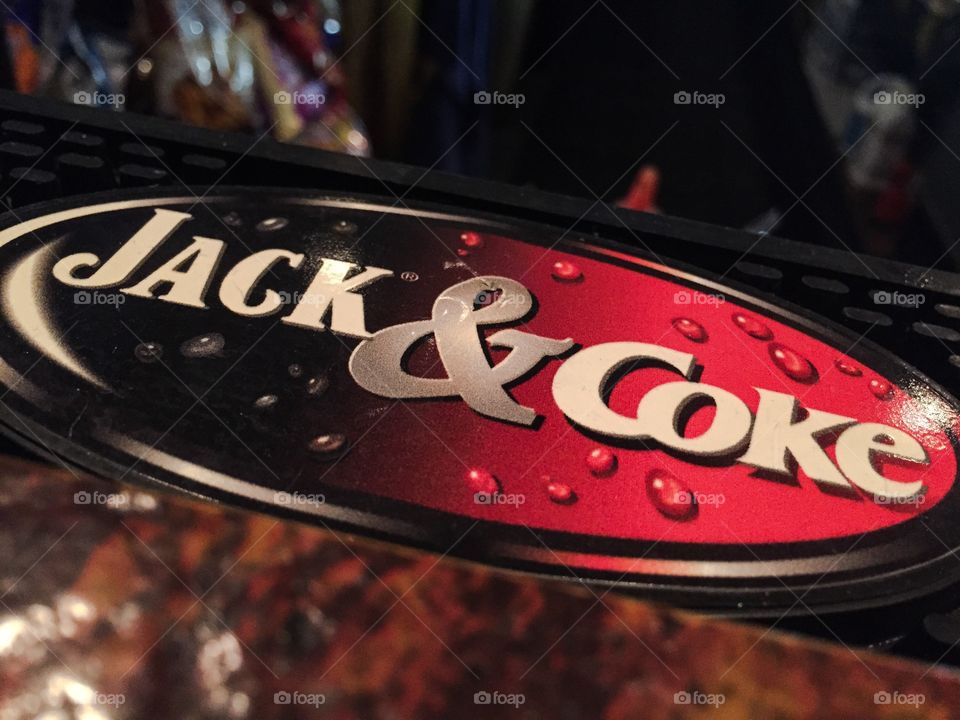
377 363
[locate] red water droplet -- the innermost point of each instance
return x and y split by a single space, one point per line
566 271
462 252
601 461
753 328
881 388
481 481
848 368
559 492
794 366
472 240
670 496
690 329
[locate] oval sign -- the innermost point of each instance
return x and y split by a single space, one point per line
492 390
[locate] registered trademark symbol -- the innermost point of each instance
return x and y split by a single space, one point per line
409 276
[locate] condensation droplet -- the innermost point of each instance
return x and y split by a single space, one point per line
202 346
345 227
601 461
881 389
148 352
792 364
327 444
559 492
232 219
566 271
266 402
753 328
318 385
847 368
295 371
472 240
272 224
670 496
482 481
690 329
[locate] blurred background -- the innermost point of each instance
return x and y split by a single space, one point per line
833 122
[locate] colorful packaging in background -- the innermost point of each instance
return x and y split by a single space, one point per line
261 67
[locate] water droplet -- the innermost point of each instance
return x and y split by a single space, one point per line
345 227
690 329
847 368
881 388
566 271
318 385
472 240
328 444
232 219
203 346
481 481
266 402
463 252
272 224
794 366
670 496
295 370
559 492
148 352
753 328
601 461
